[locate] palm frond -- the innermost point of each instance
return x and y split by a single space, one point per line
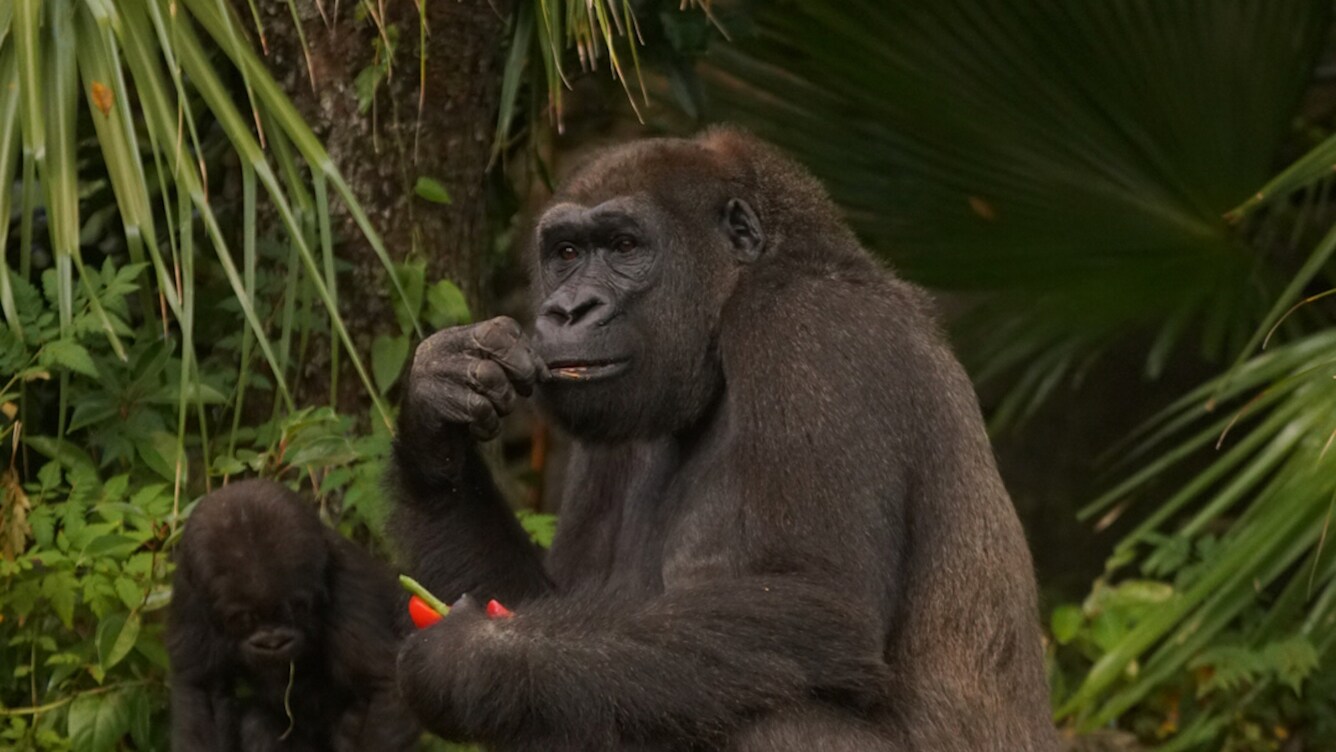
146 75
1074 163
1271 488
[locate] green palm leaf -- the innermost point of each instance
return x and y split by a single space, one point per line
146 78
1072 161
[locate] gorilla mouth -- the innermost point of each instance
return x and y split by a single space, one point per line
586 370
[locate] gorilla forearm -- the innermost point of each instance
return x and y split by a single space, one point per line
202 719
690 665
456 532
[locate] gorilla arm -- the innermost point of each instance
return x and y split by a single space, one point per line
688 665
458 536
450 521
204 715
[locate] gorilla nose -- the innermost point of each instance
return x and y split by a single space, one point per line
589 309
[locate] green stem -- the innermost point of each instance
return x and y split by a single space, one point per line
412 586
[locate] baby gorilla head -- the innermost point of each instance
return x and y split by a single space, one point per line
260 559
282 634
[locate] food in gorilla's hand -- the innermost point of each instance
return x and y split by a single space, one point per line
424 608
423 616
497 611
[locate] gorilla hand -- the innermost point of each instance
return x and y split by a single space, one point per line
468 376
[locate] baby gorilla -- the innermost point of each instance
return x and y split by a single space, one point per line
282 634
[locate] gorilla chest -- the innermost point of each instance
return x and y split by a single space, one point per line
671 519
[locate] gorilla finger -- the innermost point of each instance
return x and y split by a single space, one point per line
496 336
450 402
522 366
484 423
464 603
488 379
487 427
444 343
502 340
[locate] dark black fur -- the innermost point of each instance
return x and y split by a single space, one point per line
261 586
782 527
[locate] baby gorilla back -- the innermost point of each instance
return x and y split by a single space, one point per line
282 635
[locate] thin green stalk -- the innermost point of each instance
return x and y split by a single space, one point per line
248 265
331 280
9 158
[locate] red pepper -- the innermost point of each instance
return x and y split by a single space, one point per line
423 616
497 611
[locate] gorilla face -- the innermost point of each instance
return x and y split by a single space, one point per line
630 304
271 631
262 563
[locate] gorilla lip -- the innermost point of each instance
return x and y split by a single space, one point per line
585 370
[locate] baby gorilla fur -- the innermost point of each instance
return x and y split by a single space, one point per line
282 635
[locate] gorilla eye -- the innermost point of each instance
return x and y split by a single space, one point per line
567 252
624 244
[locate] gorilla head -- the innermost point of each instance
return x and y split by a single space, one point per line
261 561
632 283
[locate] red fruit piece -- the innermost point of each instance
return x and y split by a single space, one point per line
497 611
423 616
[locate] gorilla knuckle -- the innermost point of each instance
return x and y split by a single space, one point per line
486 376
477 406
497 336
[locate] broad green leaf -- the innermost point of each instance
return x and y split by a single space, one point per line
158 450
388 356
116 637
431 190
446 305
131 594
97 722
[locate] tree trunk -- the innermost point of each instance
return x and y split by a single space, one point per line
384 150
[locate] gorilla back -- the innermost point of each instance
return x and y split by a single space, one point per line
782 529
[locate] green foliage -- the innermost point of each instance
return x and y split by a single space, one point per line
157 112
1064 166
540 527
146 361
431 190
568 34
89 517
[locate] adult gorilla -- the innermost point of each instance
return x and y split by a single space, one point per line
782 527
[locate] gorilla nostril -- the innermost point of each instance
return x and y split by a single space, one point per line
583 309
570 314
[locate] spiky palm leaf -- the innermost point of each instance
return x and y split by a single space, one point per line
147 76
1072 161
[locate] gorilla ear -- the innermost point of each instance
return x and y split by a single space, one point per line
743 229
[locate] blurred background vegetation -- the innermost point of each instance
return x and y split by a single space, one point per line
226 224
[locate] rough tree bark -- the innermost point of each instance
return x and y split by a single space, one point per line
382 152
